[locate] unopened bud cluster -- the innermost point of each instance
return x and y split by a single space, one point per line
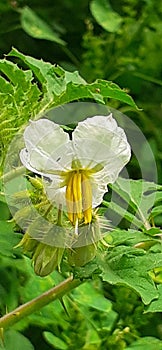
46 257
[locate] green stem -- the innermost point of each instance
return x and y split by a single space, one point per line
37 303
146 223
71 56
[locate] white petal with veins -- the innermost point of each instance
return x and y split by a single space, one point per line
96 142
103 142
48 147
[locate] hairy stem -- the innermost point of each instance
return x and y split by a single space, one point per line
37 303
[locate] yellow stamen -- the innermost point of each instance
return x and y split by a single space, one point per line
79 196
70 199
86 199
77 193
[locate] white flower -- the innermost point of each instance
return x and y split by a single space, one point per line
79 168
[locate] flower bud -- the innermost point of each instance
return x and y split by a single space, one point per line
46 259
36 182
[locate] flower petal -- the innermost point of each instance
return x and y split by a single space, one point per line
55 193
98 191
48 146
99 140
25 159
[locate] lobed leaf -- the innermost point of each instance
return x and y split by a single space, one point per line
25 93
130 267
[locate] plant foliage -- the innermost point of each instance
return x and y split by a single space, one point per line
75 57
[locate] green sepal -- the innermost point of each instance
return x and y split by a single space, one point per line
28 243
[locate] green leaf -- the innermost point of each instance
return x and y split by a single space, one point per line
149 343
93 341
112 90
122 212
16 90
89 300
87 295
15 75
156 211
128 266
56 342
156 305
4 211
16 340
132 237
8 238
86 271
38 28
105 16
25 93
139 195
66 86
74 78
158 196
106 89
50 76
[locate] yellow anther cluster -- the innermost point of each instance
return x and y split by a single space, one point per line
79 196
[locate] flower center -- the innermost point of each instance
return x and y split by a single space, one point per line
79 196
